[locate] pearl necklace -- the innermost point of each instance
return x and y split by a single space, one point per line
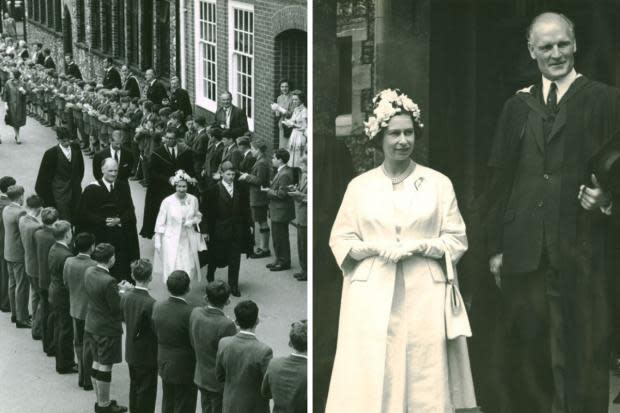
400 177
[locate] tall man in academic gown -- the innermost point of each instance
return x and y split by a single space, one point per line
155 90
111 77
59 182
179 98
107 211
119 153
165 161
130 83
547 227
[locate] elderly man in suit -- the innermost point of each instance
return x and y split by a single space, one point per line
73 278
259 177
212 159
59 182
208 325
155 90
241 364
117 151
130 83
281 210
104 326
28 225
286 380
5 306
59 298
230 119
111 77
247 156
300 195
44 239
231 152
71 68
179 98
140 340
48 60
175 356
19 286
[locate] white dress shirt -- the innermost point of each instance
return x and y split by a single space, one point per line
563 84
229 187
66 152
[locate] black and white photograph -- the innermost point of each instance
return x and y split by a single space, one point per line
154 159
465 191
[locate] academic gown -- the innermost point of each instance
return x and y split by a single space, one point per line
588 115
96 205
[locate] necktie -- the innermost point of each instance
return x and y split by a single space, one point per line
552 98
111 186
174 154
116 156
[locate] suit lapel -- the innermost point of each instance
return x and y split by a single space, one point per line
561 117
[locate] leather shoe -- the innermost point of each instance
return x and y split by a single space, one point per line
271 265
5 310
111 408
25 324
235 292
37 338
280 267
261 254
13 319
71 370
88 387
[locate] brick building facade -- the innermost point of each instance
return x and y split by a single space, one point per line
213 46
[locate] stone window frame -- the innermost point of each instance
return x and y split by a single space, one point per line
80 20
241 55
205 26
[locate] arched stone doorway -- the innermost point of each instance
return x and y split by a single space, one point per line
67 32
290 59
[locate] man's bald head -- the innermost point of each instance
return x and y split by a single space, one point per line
109 169
551 42
549 18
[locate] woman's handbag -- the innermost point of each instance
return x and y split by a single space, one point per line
457 322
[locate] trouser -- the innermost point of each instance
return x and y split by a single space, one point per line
211 402
302 247
179 398
534 362
142 388
281 243
47 323
63 338
136 156
19 290
82 353
146 165
35 299
5 304
233 260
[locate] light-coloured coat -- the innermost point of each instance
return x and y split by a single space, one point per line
368 286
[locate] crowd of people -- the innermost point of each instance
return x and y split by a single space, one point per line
72 255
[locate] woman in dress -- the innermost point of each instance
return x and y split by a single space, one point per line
298 121
177 238
282 109
397 229
15 98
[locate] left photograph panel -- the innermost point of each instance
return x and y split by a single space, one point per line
153 192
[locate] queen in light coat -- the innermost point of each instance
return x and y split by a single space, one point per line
394 239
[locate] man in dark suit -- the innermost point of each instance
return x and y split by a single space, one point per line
200 142
212 159
48 61
107 211
73 278
130 83
59 182
71 68
28 225
208 325
111 77
155 90
286 379
165 161
179 98
230 119
548 230
19 285
39 55
59 298
242 362
104 326
140 339
175 356
44 239
247 157
259 177
231 153
5 307
281 210
300 195
121 154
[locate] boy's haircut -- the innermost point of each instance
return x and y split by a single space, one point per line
49 215
283 155
217 292
141 269
15 192
298 337
103 252
6 182
34 202
60 229
83 241
246 314
178 282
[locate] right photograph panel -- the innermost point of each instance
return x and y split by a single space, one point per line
465 192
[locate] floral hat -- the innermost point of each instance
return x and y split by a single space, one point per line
386 104
181 175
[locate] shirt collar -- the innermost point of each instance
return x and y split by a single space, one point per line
107 184
563 84
230 186
249 333
65 150
62 243
82 254
280 167
103 267
219 310
246 153
137 287
3 195
304 356
179 298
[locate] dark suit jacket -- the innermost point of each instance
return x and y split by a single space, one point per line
58 293
238 122
104 316
48 63
132 86
74 70
156 92
301 204
73 276
44 239
112 79
281 206
286 382
213 158
175 356
207 327
241 364
260 175
228 218
4 201
13 248
232 155
27 227
140 338
246 163
200 146
179 100
124 167
43 186
40 58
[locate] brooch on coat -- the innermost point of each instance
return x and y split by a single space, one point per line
418 183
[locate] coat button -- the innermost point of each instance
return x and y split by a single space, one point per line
540 204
